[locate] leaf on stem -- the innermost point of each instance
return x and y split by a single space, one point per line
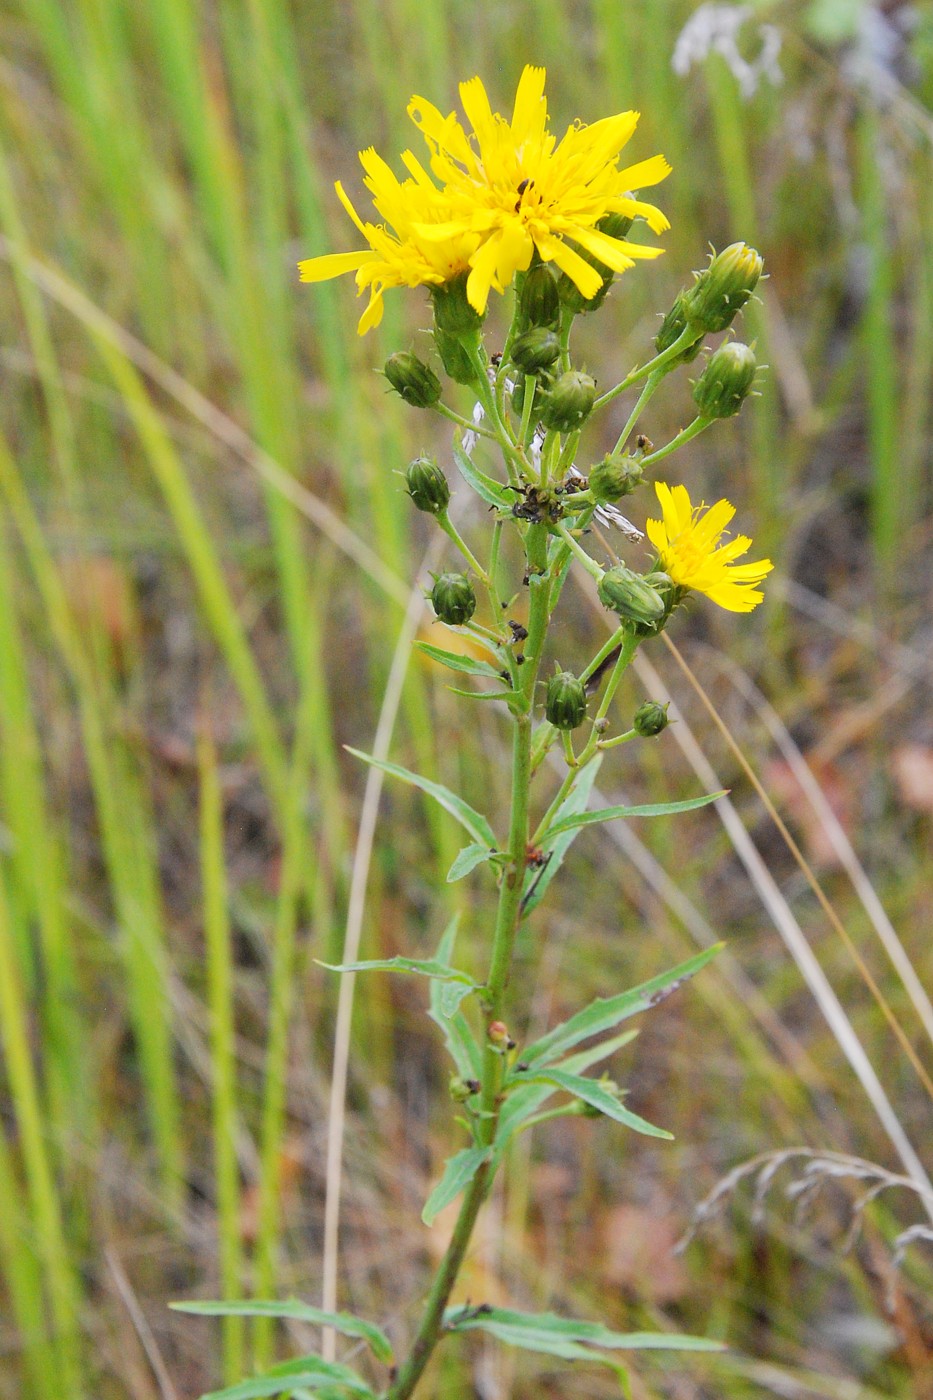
474 822
601 1097
565 1337
525 1097
456 661
294 1310
608 814
285 1379
491 491
537 881
458 1037
425 967
605 1013
468 859
459 1171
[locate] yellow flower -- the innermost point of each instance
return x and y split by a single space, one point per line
687 541
399 253
514 189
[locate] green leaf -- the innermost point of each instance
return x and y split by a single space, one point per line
474 822
286 1378
605 1013
493 492
484 694
524 1098
294 1309
459 1171
602 1098
425 967
566 1337
537 881
468 859
452 994
648 809
458 1037
456 662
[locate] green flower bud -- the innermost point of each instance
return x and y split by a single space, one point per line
723 288
452 311
569 401
672 328
615 476
535 350
453 599
413 379
539 302
726 381
463 1089
454 357
631 595
650 719
427 485
565 706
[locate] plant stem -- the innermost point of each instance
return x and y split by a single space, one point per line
506 927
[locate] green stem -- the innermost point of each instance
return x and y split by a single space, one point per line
664 361
653 381
685 434
589 564
462 422
507 920
452 533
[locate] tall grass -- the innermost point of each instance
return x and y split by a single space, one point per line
205 560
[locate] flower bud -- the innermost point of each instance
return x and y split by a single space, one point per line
415 381
427 485
723 288
453 599
672 328
463 1089
452 310
650 719
726 381
535 350
498 1033
539 302
615 476
454 357
631 595
565 706
569 401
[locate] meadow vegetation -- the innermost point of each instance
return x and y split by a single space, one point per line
205 594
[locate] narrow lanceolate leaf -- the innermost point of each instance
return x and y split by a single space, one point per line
474 822
524 1099
451 994
492 491
602 1098
508 695
458 1037
648 809
605 1013
294 1310
425 967
284 1380
458 1173
566 1337
537 881
452 659
468 859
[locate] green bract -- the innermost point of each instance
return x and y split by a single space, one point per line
453 599
415 381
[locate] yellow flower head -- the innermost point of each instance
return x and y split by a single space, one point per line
514 189
687 541
399 255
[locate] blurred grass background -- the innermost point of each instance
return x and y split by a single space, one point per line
204 565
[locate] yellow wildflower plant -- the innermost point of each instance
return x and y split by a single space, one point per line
516 190
400 253
687 539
